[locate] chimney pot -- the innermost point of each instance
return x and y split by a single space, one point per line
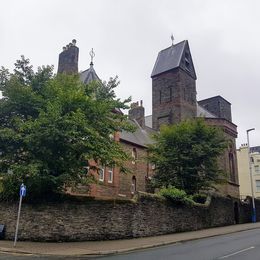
68 59
136 112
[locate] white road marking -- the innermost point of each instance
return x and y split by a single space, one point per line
238 252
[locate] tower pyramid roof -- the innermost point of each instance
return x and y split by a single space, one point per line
175 56
89 75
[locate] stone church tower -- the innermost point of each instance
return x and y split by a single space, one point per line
173 86
174 99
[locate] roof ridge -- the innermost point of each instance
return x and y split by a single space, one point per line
217 96
173 45
180 57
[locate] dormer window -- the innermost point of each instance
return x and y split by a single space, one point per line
187 64
187 61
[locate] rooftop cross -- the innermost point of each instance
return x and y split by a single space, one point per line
172 38
92 55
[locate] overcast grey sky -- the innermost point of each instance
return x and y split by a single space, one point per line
128 34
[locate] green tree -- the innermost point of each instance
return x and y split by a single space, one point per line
186 156
50 126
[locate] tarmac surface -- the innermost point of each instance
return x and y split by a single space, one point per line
101 248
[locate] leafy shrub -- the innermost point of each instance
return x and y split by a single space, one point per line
175 195
42 187
199 198
10 185
38 187
186 156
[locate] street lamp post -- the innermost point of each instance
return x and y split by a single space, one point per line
251 177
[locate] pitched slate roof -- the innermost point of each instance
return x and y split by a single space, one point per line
89 75
140 136
173 57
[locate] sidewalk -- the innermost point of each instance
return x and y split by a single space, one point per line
116 246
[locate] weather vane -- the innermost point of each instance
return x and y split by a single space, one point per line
92 55
172 38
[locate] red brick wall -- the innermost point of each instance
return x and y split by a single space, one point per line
138 168
122 182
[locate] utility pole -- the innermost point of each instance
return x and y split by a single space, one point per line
251 177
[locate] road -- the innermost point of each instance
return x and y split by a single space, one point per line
239 246
31 257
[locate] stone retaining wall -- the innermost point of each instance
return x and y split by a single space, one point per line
101 220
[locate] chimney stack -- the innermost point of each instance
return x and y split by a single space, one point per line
68 59
136 112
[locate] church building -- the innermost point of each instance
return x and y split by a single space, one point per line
173 100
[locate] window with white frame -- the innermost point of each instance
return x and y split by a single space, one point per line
257 169
152 165
101 173
257 182
110 175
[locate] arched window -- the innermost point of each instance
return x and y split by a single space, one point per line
232 167
133 187
134 155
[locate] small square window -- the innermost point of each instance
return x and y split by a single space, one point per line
257 185
110 175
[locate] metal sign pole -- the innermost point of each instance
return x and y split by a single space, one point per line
18 219
22 194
